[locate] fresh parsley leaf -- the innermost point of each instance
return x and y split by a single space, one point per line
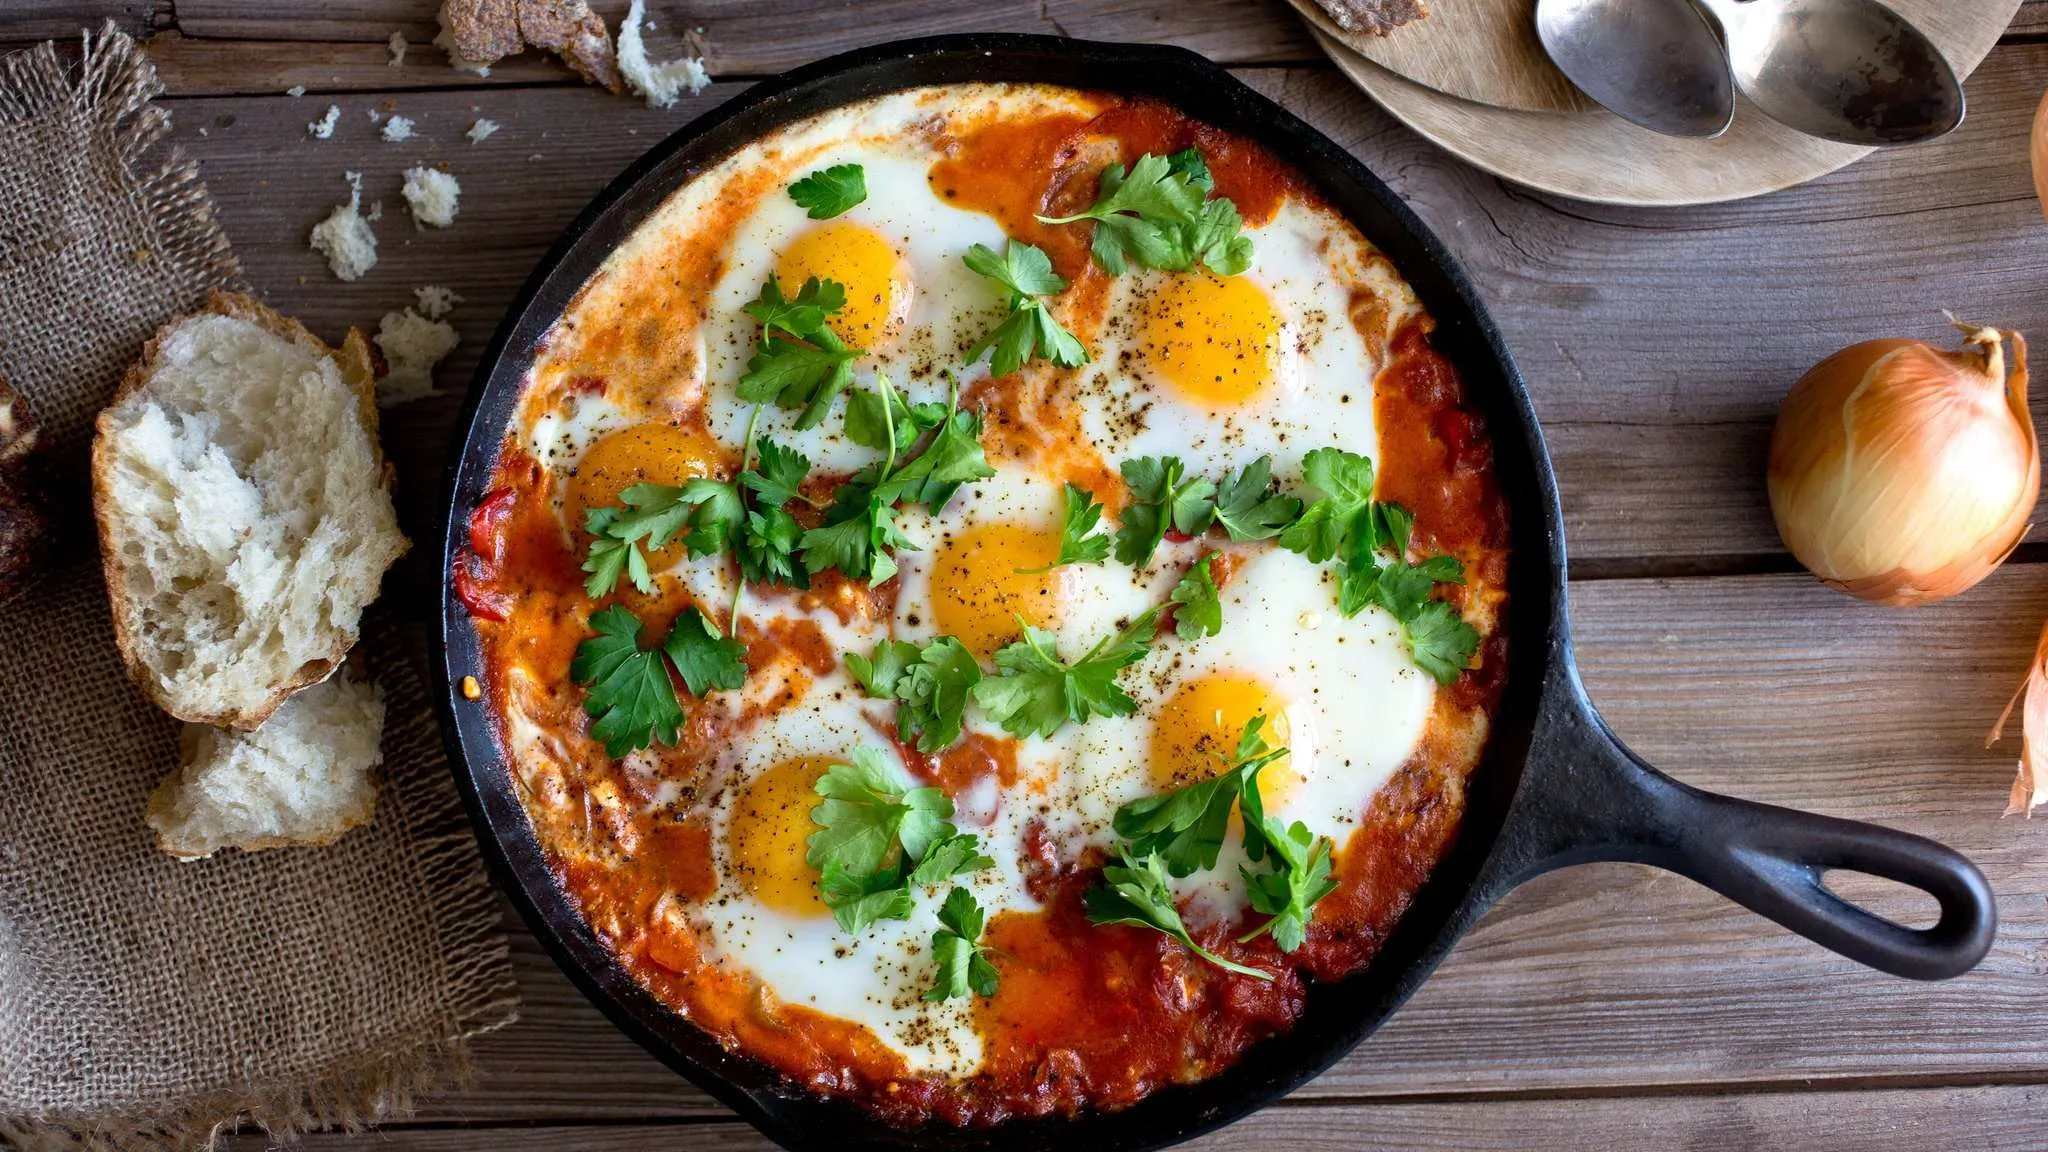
1030 329
801 317
858 899
647 517
767 549
631 699
872 818
777 476
867 426
808 370
1327 525
1078 543
950 856
1134 891
703 658
1200 611
857 537
1162 497
963 963
1249 508
1185 827
952 457
1158 214
830 191
879 675
1034 692
1296 877
1440 640
931 685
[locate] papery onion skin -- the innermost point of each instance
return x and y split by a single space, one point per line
2038 151
1903 474
2030 787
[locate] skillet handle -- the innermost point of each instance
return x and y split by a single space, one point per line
1589 799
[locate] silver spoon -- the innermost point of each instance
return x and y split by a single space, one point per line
1657 63
1851 71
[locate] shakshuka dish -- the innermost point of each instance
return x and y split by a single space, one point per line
988 593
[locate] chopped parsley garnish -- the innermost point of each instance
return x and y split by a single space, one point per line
860 534
1160 214
1199 608
808 365
1034 692
630 697
1162 496
930 685
1297 872
1369 539
1134 891
830 191
1030 329
878 837
1248 506
1185 827
963 963
1079 544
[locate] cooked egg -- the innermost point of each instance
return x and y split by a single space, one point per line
658 453
1221 370
911 304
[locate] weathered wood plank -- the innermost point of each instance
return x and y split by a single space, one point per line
1657 396
1992 1119
27 21
755 37
1617 976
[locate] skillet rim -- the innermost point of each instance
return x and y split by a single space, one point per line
1454 893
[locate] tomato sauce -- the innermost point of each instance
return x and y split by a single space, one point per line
1085 1016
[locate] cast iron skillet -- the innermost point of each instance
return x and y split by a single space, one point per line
1555 788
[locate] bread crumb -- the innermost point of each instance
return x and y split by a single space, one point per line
436 301
412 345
397 46
202 131
481 130
323 128
662 83
295 91
397 129
376 211
345 237
432 195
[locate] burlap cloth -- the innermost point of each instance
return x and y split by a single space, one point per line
146 1002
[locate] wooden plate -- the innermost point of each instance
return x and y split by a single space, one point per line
1600 157
1483 50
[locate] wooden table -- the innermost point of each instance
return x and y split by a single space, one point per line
1609 1007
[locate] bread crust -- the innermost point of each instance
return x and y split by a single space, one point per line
24 519
357 371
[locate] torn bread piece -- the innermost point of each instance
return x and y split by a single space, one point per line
432 196
304 778
345 237
244 509
412 345
1374 17
660 84
479 33
436 301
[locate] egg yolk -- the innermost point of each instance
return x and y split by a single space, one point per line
978 592
1196 734
877 283
641 454
1216 339
765 840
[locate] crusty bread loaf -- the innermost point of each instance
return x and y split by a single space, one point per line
24 522
304 777
244 510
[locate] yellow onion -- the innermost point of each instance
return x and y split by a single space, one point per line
2031 786
1904 474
